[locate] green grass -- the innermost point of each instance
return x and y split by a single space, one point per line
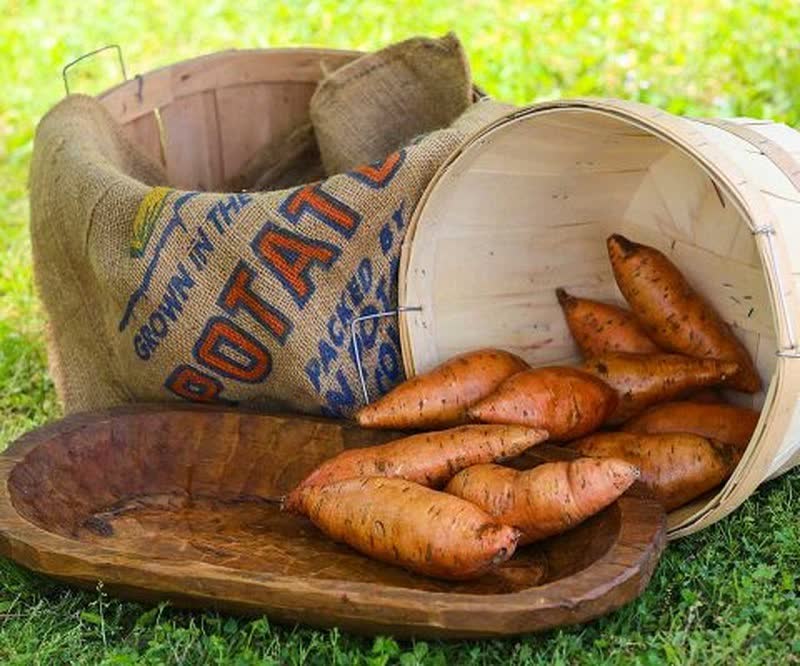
729 594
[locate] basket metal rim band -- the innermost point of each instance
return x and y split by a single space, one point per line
774 151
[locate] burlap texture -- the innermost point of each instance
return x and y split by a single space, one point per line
381 101
157 294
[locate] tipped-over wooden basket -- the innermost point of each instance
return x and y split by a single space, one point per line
526 205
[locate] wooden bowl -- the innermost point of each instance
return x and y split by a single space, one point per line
174 502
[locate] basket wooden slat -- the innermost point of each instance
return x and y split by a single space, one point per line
144 132
279 107
192 146
525 206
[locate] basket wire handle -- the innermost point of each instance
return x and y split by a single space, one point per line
71 64
357 339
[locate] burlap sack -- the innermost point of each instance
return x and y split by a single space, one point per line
381 101
155 294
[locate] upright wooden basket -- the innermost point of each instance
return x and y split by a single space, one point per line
526 205
204 118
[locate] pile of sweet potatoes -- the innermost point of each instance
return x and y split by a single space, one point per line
440 503
436 503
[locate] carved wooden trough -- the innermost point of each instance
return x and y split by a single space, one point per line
175 503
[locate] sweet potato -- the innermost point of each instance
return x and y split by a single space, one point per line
675 316
548 499
724 423
403 523
675 467
598 327
642 380
440 398
566 402
429 459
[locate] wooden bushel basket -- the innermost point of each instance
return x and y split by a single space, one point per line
204 118
526 205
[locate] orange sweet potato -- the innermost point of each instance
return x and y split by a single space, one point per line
724 423
440 398
403 523
548 499
675 316
430 459
566 402
675 467
598 327
642 380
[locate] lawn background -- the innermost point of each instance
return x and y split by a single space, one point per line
726 595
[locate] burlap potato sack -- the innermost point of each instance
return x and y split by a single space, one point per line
155 294
380 102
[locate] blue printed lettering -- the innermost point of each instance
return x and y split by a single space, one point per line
386 238
220 214
141 347
171 306
335 331
367 339
393 335
147 336
339 401
327 354
211 216
383 297
364 273
382 388
158 324
388 361
201 249
313 372
397 216
353 288
344 313
156 329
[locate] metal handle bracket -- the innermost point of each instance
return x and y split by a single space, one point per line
357 340
71 64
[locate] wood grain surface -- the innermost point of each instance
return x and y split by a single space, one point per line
178 503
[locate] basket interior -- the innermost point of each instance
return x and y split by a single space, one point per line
204 118
527 209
